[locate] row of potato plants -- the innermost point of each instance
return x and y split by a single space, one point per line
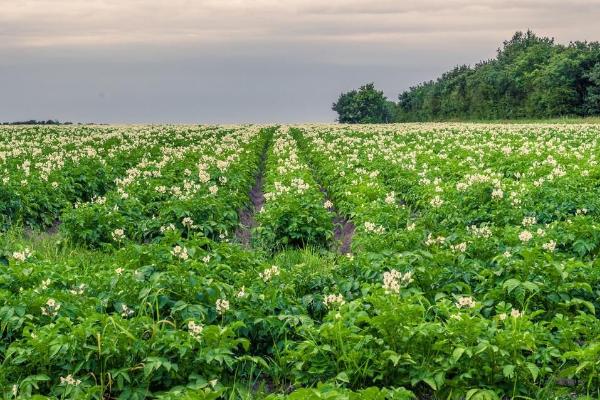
295 213
144 321
194 188
444 206
357 192
494 176
45 169
411 313
176 317
147 321
532 269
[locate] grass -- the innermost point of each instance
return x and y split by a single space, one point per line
52 248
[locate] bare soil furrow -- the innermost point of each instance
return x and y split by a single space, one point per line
257 199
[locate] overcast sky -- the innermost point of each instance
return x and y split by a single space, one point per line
230 61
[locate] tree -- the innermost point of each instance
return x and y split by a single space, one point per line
531 77
592 96
366 105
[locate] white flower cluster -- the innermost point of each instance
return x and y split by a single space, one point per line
126 312
460 247
269 273
78 289
430 241
529 221
98 200
203 176
497 193
187 222
436 202
180 252
390 198
195 329
69 381
465 302
514 313
481 231
371 227
170 227
394 280
222 306
333 300
50 308
525 236
549 246
22 255
118 235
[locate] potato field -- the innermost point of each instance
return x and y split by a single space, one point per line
410 261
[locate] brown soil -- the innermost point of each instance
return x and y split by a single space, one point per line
49 231
247 220
343 231
53 230
343 228
257 200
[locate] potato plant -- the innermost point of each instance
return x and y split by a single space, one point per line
295 212
473 269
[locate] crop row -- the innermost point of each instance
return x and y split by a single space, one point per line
46 169
460 185
462 238
473 272
195 188
295 213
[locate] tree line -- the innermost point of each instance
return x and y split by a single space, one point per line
530 77
36 122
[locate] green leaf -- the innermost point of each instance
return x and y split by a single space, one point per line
532 287
584 303
343 377
508 371
511 284
481 394
431 382
457 353
394 358
534 370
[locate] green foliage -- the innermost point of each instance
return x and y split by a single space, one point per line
366 105
294 213
531 77
473 271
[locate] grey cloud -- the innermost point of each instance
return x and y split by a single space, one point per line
242 60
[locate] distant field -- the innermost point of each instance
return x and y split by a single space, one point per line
556 121
429 261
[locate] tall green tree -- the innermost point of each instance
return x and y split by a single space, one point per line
530 76
591 104
366 105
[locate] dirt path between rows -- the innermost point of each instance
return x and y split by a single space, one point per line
257 199
343 231
343 228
